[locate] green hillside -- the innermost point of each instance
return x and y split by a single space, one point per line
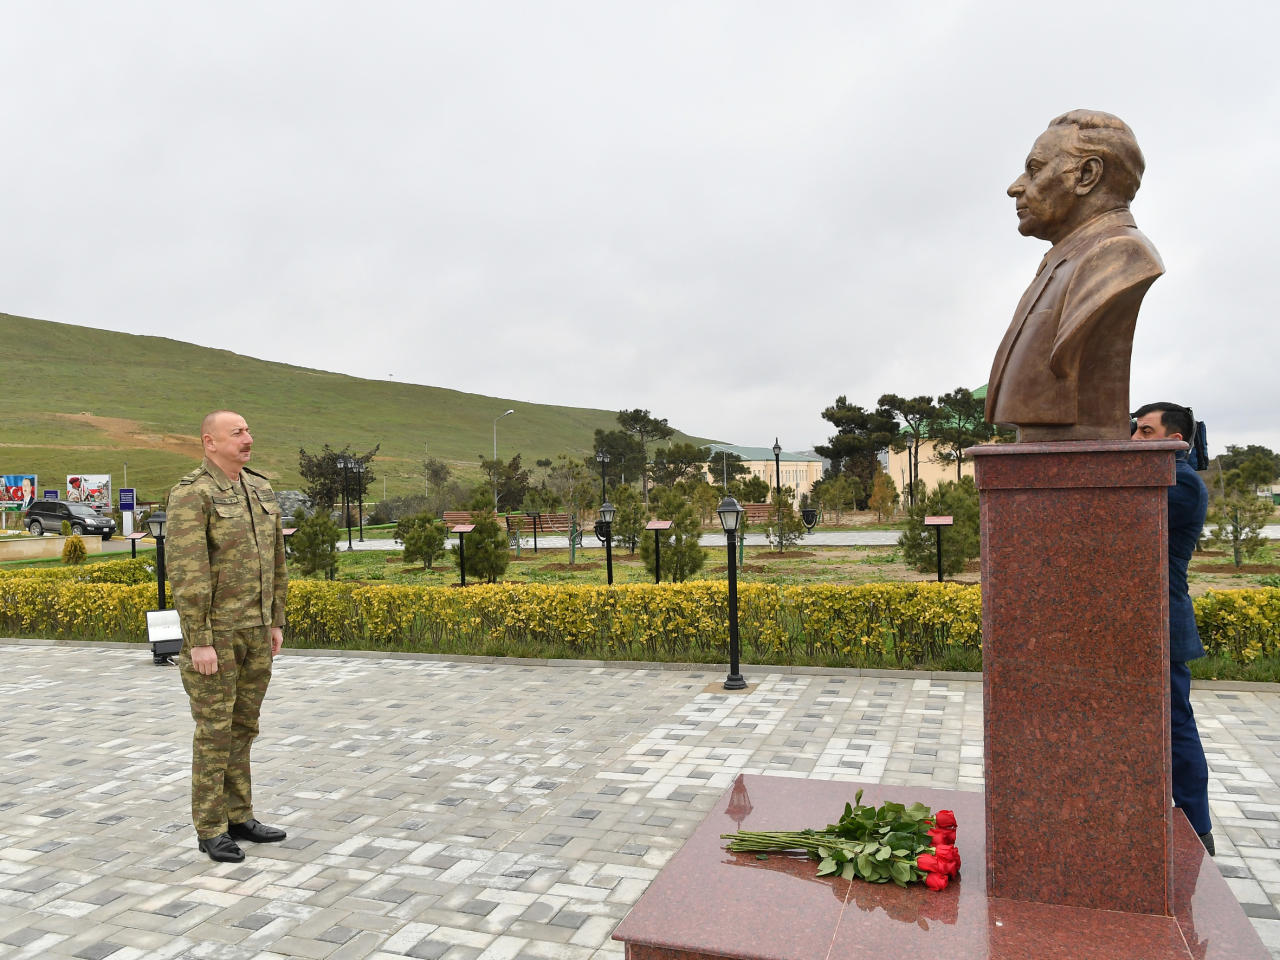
90 401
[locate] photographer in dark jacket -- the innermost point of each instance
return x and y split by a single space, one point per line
1188 502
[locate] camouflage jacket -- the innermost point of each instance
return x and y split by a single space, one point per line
225 556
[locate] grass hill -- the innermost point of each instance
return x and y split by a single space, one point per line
90 401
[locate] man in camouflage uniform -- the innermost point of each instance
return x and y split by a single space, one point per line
226 564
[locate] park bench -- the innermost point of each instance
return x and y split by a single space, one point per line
521 524
760 512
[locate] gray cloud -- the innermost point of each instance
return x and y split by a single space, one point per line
727 213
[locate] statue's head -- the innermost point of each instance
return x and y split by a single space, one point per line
1085 163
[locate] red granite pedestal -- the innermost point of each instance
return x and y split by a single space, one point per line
1075 649
709 903
1074 852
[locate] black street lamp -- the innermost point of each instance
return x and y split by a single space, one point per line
602 458
359 465
495 457
607 511
730 514
344 463
156 524
777 486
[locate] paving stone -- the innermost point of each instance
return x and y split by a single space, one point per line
98 951
521 816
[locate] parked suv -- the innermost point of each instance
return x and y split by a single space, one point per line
47 515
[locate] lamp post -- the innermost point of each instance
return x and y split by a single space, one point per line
495 457
607 511
602 458
730 514
344 463
156 524
359 465
777 486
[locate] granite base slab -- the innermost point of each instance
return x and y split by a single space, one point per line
709 903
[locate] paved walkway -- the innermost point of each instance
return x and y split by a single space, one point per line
464 810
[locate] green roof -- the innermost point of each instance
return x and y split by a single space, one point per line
762 453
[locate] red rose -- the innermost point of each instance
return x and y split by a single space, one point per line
949 857
945 818
940 835
929 863
936 881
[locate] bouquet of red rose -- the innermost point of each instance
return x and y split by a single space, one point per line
877 844
944 862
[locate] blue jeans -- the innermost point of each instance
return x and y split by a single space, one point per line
1190 771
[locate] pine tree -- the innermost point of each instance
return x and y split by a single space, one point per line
785 526
629 520
313 545
423 537
682 556
960 542
486 548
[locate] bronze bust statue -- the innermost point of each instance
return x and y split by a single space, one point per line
1062 370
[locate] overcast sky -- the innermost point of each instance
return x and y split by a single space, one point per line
728 213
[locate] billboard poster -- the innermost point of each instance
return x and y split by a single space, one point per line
91 488
17 490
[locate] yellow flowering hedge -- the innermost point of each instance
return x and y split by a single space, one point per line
99 601
1240 625
902 623
66 609
128 570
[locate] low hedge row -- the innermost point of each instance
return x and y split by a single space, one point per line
124 571
685 622
895 623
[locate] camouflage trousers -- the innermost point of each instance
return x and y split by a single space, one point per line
225 708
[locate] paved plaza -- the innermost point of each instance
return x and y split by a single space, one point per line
469 809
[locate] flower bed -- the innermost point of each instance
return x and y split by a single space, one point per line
894 624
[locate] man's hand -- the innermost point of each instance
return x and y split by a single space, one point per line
277 640
205 660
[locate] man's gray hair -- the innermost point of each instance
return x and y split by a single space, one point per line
211 420
1108 137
